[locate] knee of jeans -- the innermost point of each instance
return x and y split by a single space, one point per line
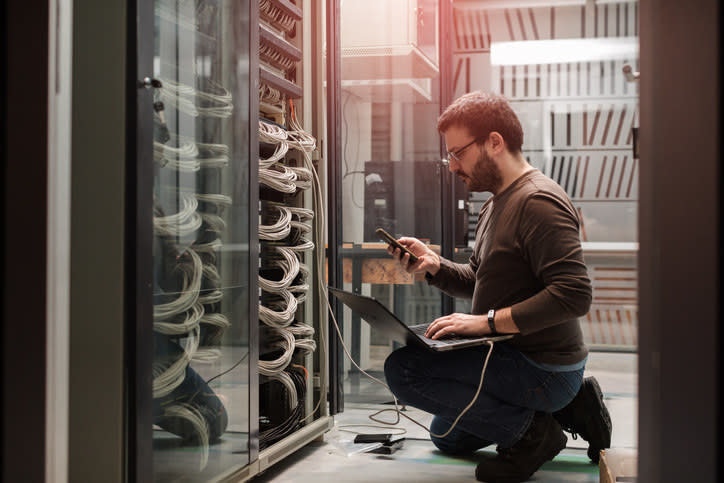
449 443
444 445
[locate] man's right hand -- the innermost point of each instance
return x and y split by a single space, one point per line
428 260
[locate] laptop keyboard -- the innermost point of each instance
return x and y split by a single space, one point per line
420 330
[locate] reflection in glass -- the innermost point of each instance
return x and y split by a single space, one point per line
201 239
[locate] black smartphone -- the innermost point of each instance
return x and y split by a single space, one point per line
373 438
386 237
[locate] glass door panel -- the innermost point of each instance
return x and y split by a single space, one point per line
391 169
201 239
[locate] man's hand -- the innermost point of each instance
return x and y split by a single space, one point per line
428 260
458 324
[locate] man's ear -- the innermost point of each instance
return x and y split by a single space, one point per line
497 143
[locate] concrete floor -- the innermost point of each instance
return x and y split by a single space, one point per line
334 459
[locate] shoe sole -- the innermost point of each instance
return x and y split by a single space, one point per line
598 429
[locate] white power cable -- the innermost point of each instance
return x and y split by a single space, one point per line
282 317
281 339
279 178
167 377
192 319
279 229
213 155
213 222
183 223
196 103
221 201
290 266
192 274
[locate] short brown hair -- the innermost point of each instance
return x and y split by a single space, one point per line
482 113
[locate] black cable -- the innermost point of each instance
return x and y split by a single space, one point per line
290 424
229 369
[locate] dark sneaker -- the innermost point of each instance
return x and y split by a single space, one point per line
587 416
542 442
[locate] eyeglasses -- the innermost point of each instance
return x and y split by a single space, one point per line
458 152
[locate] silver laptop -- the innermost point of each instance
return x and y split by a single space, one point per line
380 317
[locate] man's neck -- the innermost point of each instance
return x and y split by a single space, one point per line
512 168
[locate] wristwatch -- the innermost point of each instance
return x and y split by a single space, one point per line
491 320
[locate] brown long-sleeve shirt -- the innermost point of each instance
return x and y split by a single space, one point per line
528 256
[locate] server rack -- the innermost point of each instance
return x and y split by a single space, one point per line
228 242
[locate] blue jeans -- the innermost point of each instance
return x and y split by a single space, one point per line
444 383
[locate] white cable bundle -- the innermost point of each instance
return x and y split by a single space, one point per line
192 275
191 320
298 139
304 177
284 340
216 319
280 150
271 133
299 218
303 246
198 422
182 158
271 97
299 329
221 201
217 324
213 222
282 317
194 102
306 346
290 267
222 97
302 214
167 377
211 273
279 229
183 223
209 248
279 177
211 297
213 155
299 289
206 355
179 95
303 333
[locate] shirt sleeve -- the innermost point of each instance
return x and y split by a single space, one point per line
550 240
455 279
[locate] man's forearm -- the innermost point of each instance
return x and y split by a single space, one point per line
504 323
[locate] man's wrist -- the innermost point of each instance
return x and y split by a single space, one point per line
433 270
491 321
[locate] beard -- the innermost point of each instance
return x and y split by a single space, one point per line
485 175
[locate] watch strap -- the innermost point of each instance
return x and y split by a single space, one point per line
491 320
